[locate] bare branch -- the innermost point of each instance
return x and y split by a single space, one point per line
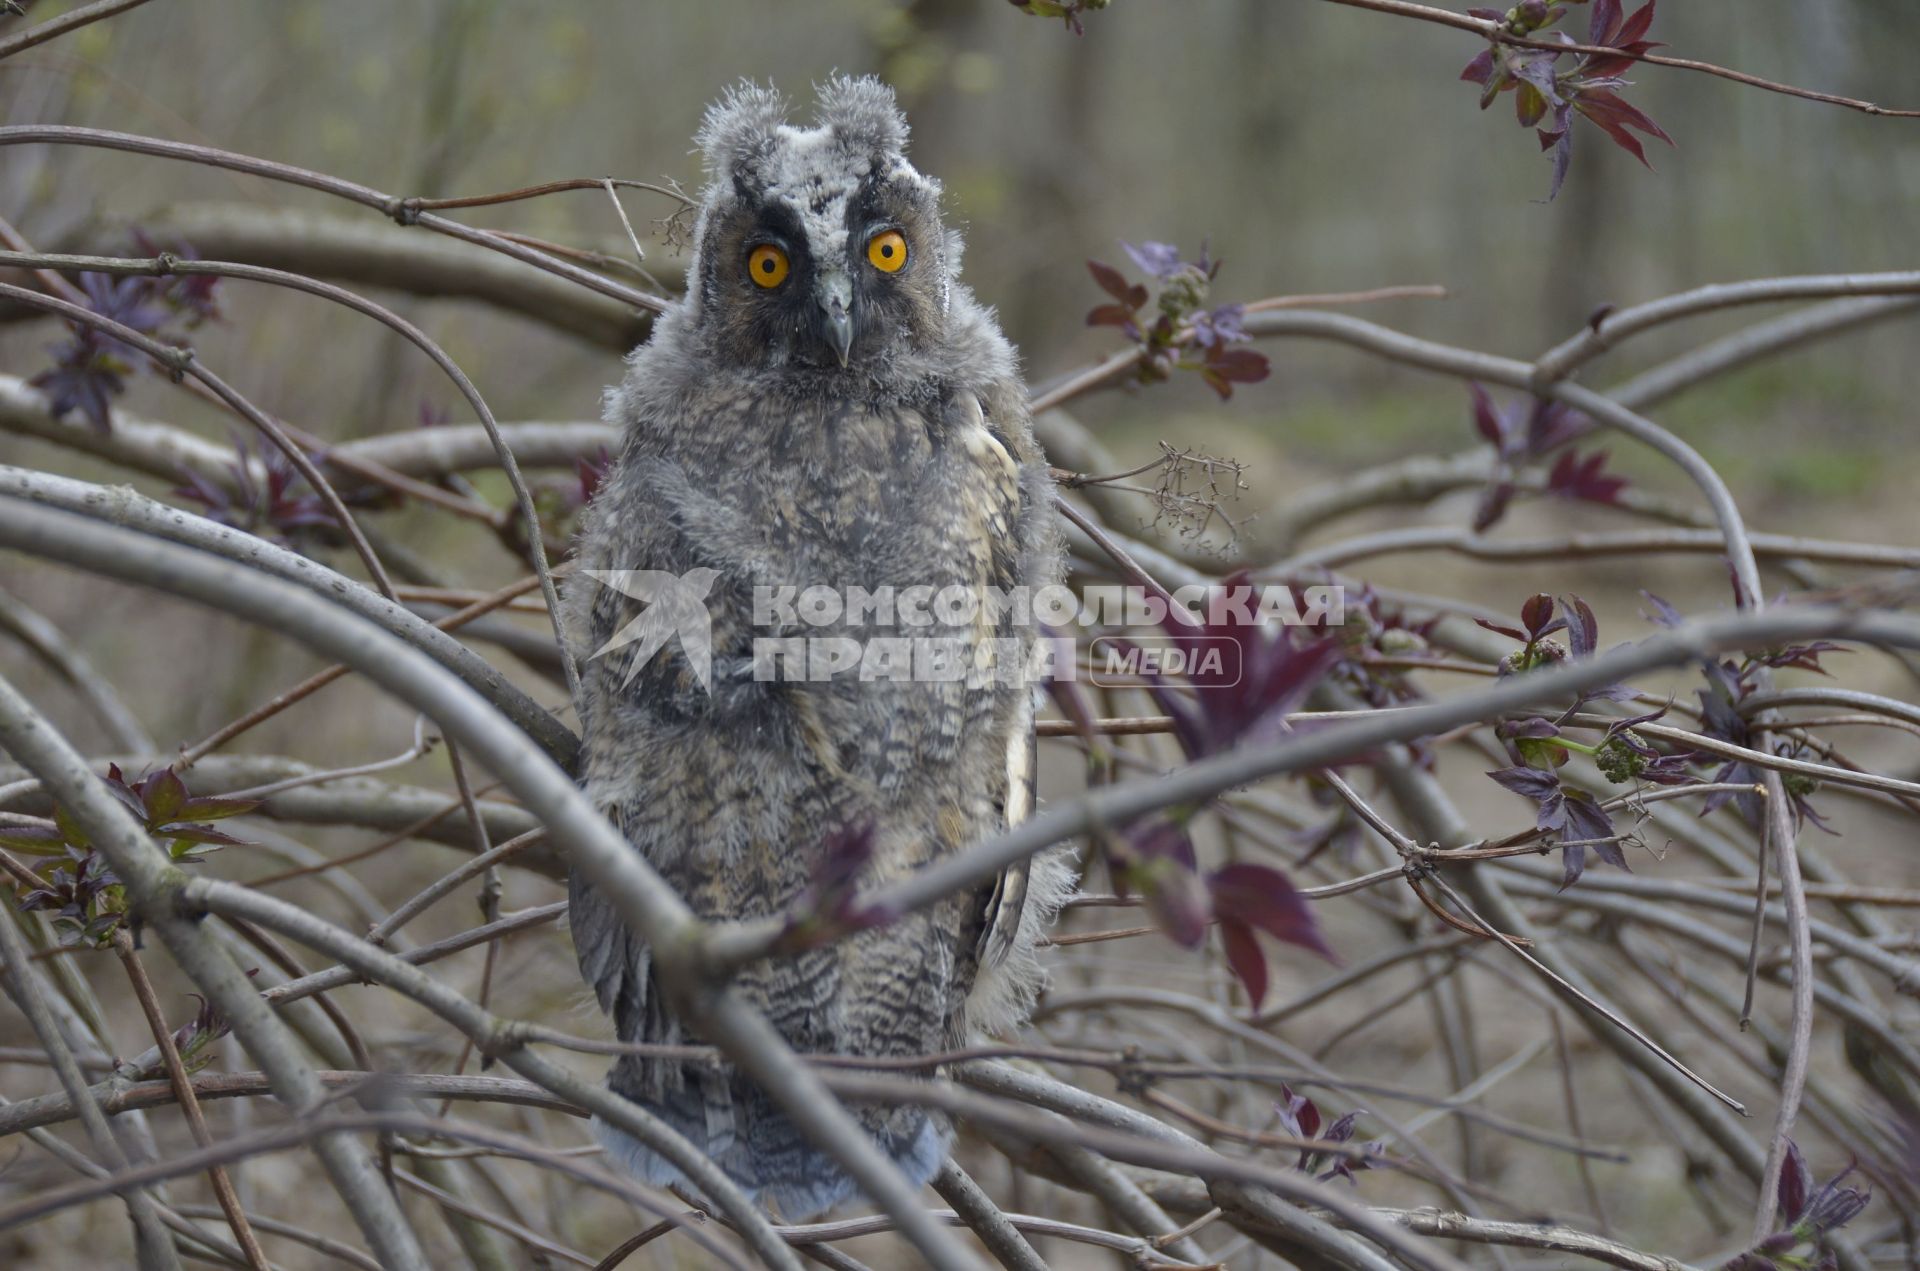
180 362
183 1091
153 1244
366 196
1621 324
121 506
1492 30
149 881
1528 1235
640 897
974 1207
72 20
168 266
47 643
1120 804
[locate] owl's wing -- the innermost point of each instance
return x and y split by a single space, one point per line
1009 899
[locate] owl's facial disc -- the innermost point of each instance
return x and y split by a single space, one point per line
822 254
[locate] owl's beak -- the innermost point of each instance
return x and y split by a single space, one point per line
835 296
840 331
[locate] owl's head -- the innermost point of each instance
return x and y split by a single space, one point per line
817 247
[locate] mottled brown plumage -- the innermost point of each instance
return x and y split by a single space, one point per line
848 427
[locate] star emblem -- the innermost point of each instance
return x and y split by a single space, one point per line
676 607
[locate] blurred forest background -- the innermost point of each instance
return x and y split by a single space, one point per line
1315 148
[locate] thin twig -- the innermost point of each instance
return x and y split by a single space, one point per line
1494 30
167 265
995 1229
386 204
71 21
148 880
1780 841
179 362
223 1191
1566 987
545 188
21 986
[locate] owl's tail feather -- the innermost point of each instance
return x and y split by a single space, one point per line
764 1153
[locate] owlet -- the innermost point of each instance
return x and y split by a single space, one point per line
826 445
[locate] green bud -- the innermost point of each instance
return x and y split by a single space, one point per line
1401 642
1183 292
1620 762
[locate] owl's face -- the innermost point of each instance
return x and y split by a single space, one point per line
818 248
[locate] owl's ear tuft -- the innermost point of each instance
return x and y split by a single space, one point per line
862 113
739 129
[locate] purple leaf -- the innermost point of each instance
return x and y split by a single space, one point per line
1156 260
1576 478
1512 633
1663 614
1111 316
1115 284
1536 72
1801 657
1573 864
1537 614
202 834
1561 142
1585 820
1583 631
1245 960
1159 863
1262 897
1529 105
1530 782
1603 21
1614 116
1796 1184
34 840
1299 1115
1834 1206
1485 417
1226 367
163 794
1257 674
1551 425
1493 503
1215 327
87 382
216 808
1636 26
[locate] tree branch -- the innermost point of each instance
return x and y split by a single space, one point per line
1494 31
150 883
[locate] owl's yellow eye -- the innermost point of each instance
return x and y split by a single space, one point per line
887 251
768 265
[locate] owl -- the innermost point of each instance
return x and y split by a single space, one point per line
827 412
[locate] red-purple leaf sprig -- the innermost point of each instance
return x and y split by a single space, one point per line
1240 698
1185 333
1547 94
